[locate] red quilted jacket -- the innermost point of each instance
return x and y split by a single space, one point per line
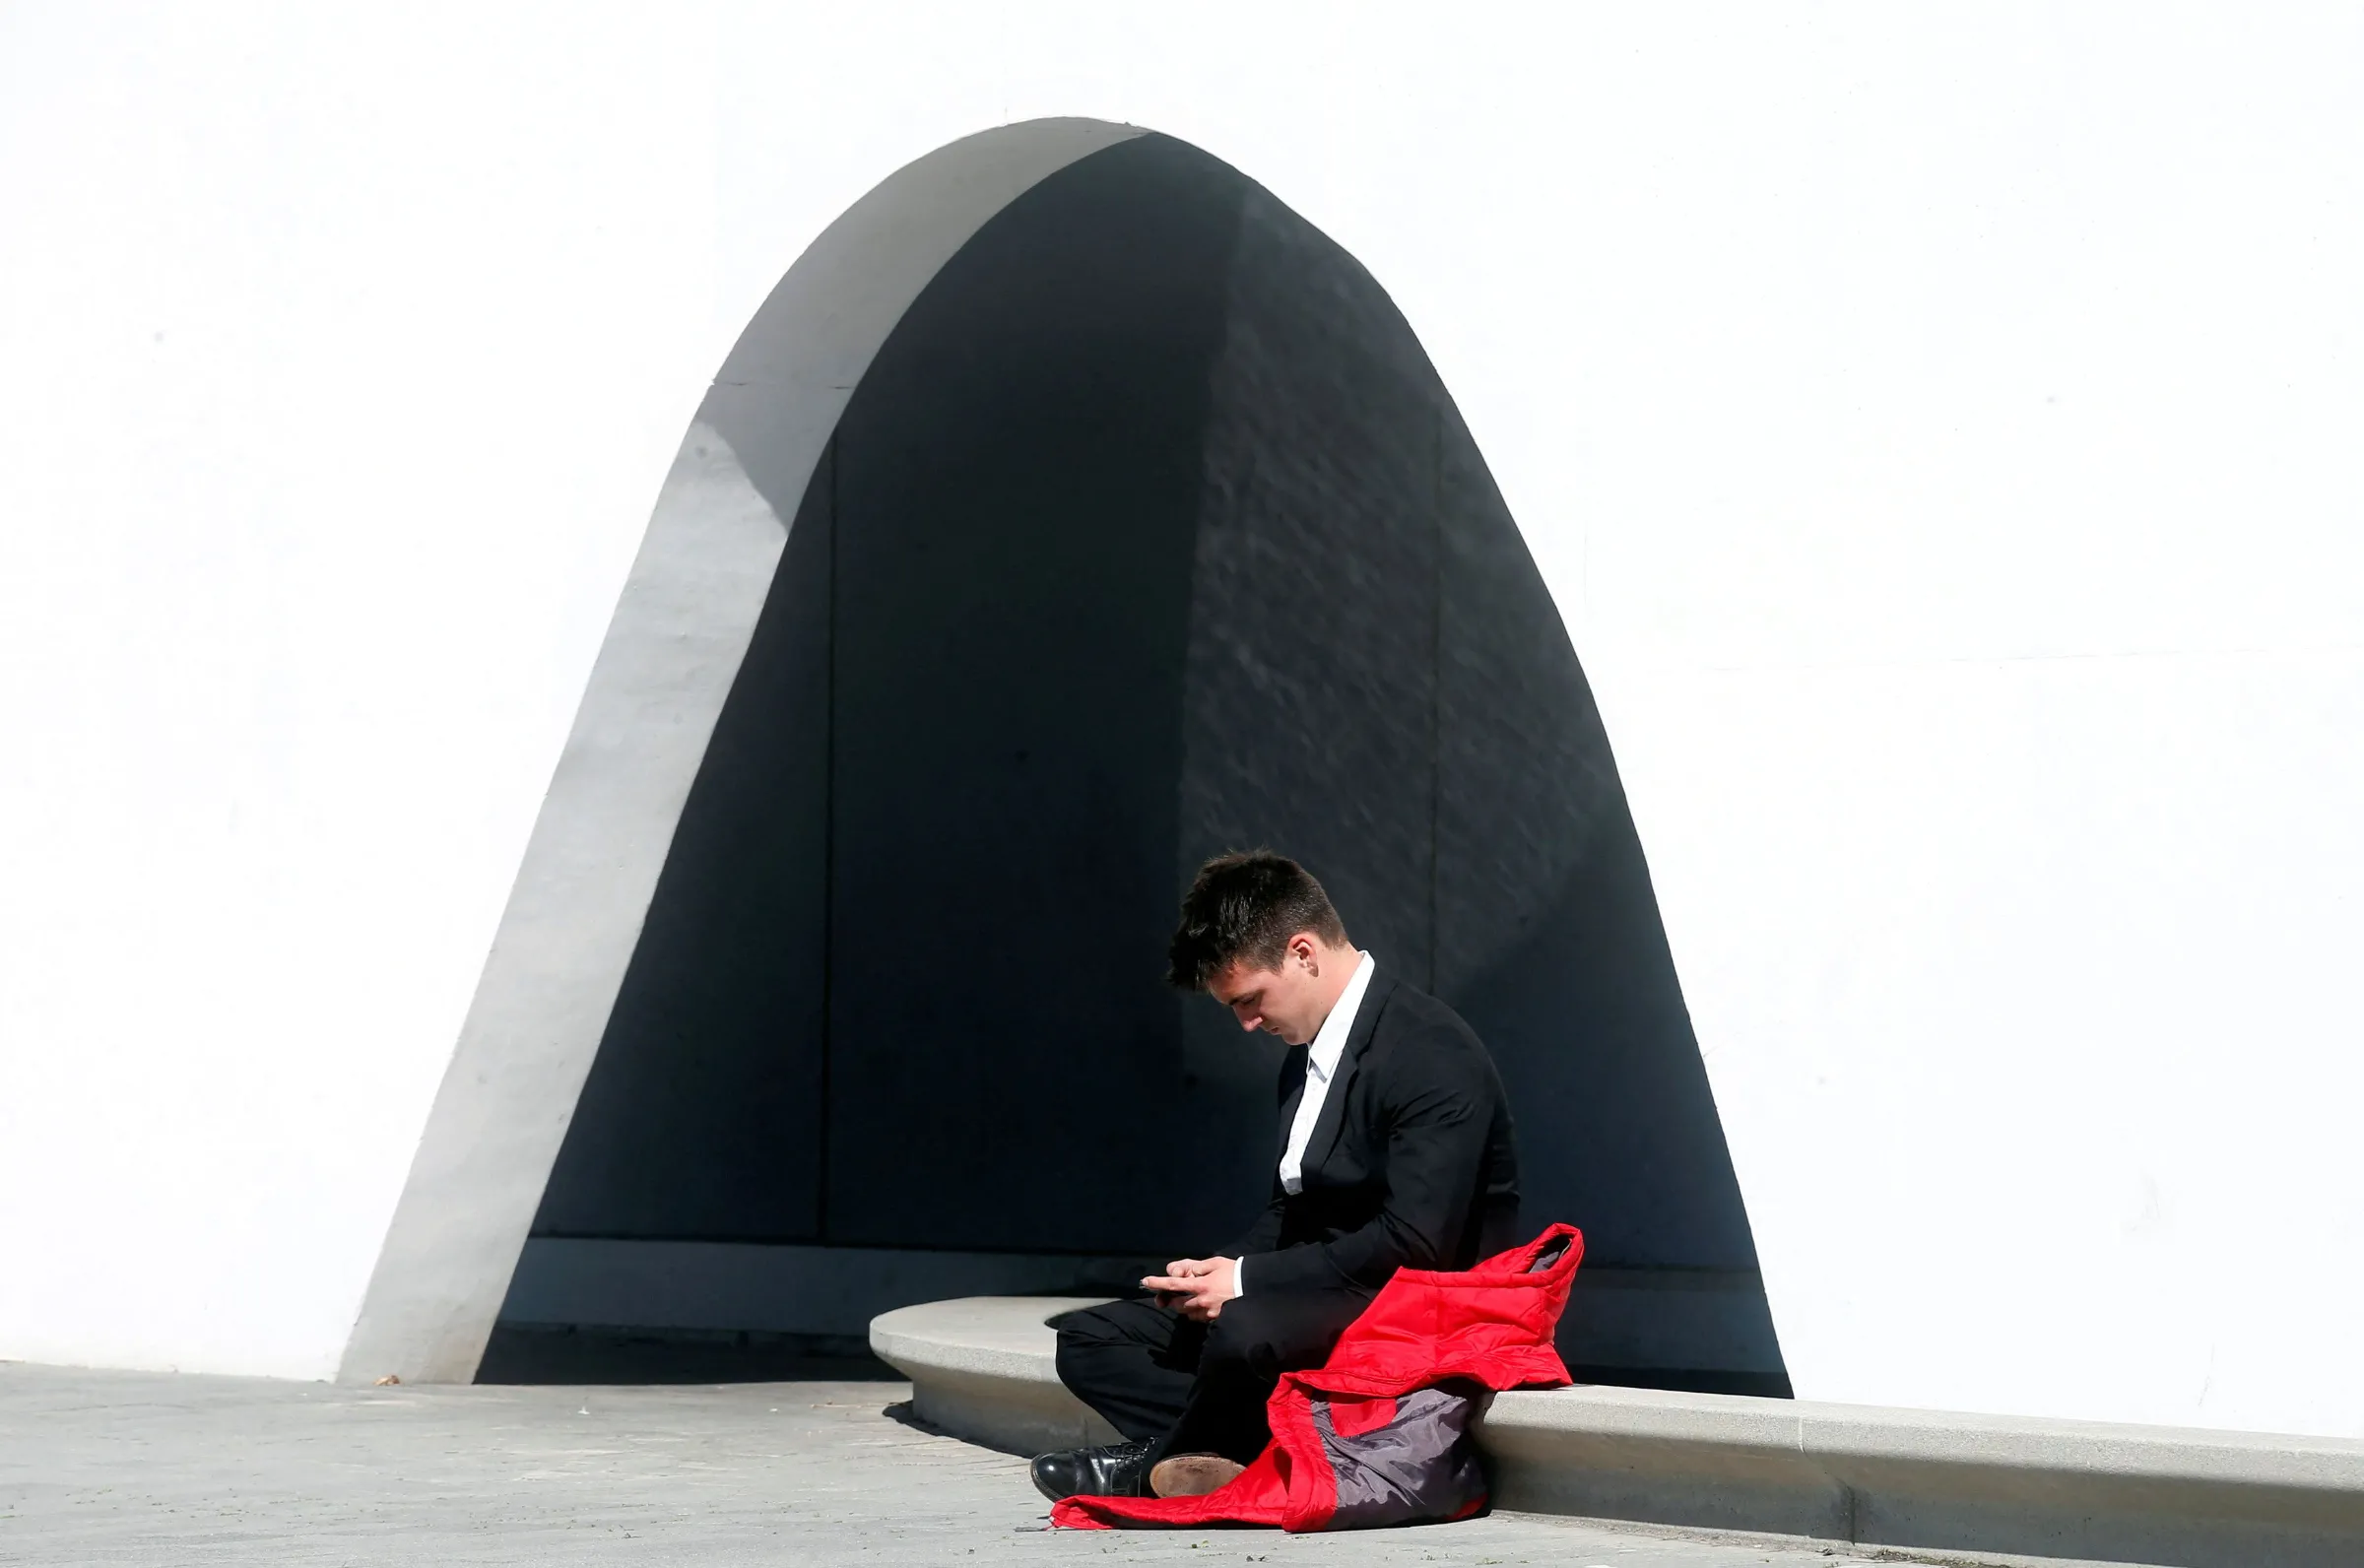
1379 1434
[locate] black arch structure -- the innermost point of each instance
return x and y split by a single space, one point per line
1149 532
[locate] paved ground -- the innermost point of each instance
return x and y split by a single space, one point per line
143 1468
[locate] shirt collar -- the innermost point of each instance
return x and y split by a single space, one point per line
1330 1041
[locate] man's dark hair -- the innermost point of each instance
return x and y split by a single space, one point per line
1244 906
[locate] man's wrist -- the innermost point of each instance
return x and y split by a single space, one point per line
1239 1276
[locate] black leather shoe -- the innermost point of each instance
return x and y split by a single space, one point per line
1114 1469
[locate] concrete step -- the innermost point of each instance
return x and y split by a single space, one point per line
983 1368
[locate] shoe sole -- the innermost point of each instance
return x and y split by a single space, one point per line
1193 1474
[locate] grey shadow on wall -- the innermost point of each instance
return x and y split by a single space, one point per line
1149 532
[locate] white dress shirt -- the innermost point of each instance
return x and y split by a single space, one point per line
1321 1069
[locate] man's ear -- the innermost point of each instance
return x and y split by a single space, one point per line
1306 951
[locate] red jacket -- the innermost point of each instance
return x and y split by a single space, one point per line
1379 1434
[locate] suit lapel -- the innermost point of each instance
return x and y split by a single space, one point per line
1334 1104
1299 1056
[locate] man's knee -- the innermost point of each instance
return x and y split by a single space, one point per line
1087 1326
1091 1336
1081 1335
1069 1359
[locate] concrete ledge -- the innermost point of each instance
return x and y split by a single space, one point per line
983 1368
1933 1480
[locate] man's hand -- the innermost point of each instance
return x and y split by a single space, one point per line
1197 1287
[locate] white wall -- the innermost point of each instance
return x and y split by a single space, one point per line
1937 427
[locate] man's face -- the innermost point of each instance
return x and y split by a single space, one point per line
1289 1001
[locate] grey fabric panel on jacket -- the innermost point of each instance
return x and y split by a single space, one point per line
1418 1465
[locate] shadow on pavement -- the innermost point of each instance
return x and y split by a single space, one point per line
532 1354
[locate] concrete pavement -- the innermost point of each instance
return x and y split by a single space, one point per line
142 1469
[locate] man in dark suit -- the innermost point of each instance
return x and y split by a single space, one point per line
1395 1150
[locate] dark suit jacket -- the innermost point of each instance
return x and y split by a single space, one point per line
1413 1163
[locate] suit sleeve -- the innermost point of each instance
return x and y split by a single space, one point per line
1265 1234
1436 1133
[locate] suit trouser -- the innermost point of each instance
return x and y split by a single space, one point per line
1199 1388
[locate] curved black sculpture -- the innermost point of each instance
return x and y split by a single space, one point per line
1150 532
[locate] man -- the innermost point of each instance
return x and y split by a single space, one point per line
1395 1150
